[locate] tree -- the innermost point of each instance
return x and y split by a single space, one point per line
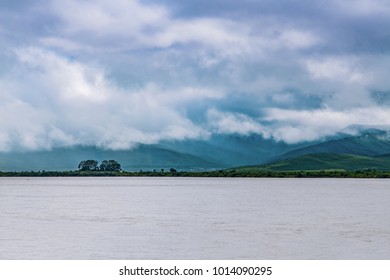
88 165
110 165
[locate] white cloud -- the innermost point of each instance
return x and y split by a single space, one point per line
25 127
297 39
69 81
234 123
293 126
178 97
223 35
106 18
348 81
71 103
131 24
344 69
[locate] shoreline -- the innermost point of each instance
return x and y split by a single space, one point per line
216 174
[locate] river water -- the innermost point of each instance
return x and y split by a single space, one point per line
194 218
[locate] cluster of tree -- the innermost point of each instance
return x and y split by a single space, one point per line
93 165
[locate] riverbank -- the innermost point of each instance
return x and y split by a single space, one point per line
217 173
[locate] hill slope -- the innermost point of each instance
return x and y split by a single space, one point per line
325 161
368 143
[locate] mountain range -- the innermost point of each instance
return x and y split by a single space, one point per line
368 148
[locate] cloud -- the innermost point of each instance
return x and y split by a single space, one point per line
299 39
294 126
365 7
134 25
234 123
116 73
335 68
71 103
102 17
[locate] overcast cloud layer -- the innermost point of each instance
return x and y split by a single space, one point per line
115 73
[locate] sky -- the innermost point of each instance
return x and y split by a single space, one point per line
117 73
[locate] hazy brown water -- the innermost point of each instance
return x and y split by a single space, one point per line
194 218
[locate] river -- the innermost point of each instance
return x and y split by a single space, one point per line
194 218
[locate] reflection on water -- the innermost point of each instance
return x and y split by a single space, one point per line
194 218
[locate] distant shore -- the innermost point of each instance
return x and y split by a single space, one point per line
218 173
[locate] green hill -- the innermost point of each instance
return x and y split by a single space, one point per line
368 143
325 161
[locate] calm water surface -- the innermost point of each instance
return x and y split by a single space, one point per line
194 218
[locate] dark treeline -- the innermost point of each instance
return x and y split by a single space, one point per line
219 173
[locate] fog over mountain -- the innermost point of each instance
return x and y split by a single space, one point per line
113 74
